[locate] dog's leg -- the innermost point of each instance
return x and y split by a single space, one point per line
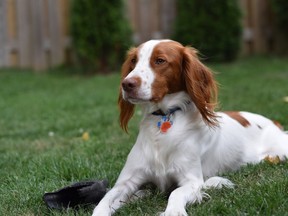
116 197
189 193
129 181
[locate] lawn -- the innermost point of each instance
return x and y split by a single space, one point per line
43 117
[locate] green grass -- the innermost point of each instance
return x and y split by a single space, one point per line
32 162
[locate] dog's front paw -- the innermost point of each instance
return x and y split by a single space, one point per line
174 212
101 211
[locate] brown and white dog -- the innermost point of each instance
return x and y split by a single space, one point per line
182 140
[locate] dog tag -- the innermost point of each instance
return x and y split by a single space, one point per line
165 126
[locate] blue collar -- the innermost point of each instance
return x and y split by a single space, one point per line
169 112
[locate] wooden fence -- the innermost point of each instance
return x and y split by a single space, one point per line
35 33
155 18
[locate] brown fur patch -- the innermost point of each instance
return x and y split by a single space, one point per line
238 117
168 75
278 125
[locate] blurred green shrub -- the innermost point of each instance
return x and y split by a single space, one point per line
211 26
280 8
100 34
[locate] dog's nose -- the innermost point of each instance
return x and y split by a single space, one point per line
130 84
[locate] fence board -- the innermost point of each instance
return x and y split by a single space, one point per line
38 34
256 19
24 33
65 14
56 53
12 24
168 14
144 13
132 15
12 32
3 33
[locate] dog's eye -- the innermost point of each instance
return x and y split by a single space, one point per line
133 60
160 61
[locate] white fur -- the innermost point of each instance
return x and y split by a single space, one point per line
191 153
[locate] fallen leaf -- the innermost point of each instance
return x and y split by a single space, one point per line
85 136
285 99
272 160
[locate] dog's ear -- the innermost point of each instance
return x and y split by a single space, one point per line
200 85
126 108
126 112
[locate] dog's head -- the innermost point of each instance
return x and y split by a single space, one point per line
160 67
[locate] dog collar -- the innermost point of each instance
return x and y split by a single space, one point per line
169 112
165 123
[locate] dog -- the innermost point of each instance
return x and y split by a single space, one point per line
182 141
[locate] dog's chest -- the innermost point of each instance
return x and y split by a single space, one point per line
161 158
162 150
